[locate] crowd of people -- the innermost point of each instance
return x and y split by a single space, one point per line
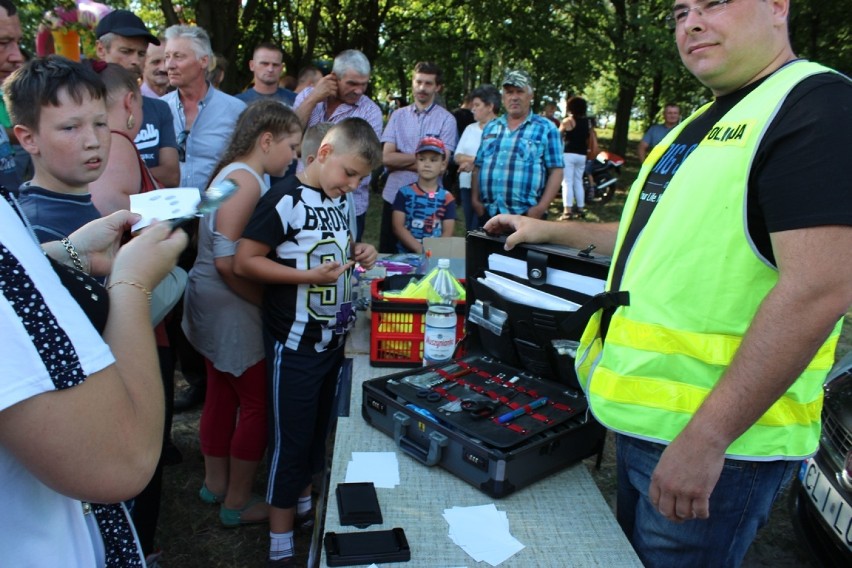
696 371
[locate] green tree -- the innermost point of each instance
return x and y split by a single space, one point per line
618 53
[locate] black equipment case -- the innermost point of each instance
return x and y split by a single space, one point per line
481 416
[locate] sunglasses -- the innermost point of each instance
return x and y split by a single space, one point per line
181 145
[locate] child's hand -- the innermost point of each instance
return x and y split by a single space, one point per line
365 254
329 272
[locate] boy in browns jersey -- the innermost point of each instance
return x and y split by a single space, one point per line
299 243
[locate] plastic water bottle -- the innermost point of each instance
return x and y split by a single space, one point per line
439 339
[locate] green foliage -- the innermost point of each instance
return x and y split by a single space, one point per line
616 53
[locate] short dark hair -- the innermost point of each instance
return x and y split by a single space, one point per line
489 94
429 68
357 136
39 82
313 138
308 70
577 106
11 9
268 45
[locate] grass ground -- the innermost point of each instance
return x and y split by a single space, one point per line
191 536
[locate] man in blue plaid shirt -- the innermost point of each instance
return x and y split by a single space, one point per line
518 168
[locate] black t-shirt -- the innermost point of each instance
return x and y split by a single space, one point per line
798 176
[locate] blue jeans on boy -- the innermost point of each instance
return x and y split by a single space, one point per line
739 505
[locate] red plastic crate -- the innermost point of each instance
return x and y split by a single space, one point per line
396 329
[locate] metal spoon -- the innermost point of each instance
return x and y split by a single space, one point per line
210 200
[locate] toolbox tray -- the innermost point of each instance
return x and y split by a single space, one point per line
492 381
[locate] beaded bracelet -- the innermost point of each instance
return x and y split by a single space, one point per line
72 252
134 284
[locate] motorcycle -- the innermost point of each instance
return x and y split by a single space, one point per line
604 171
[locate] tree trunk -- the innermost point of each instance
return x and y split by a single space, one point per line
626 96
652 106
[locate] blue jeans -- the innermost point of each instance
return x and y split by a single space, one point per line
471 219
739 505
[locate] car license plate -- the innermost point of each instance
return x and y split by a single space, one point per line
836 512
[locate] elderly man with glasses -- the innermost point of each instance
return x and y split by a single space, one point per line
737 262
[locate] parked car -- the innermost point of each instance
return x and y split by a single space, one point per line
822 495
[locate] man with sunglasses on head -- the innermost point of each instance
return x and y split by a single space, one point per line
737 260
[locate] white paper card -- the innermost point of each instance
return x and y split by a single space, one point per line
163 204
382 468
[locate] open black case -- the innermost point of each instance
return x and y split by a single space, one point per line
482 416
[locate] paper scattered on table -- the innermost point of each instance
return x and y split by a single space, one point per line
382 468
483 533
163 204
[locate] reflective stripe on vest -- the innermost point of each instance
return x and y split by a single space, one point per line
696 281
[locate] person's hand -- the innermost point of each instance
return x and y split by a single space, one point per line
684 479
148 257
365 255
466 167
537 211
329 272
97 241
523 229
326 87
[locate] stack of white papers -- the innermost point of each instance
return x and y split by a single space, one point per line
482 532
559 278
523 294
382 468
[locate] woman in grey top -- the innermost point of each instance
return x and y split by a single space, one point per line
222 316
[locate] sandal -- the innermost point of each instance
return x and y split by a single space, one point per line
567 217
234 517
208 496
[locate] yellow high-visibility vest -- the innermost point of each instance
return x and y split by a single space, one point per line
696 281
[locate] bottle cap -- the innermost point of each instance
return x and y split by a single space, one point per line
443 263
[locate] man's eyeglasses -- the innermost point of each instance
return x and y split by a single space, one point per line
181 145
678 15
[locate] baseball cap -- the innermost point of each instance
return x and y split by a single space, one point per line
517 78
431 144
124 23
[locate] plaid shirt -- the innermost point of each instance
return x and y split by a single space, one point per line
406 127
513 164
366 109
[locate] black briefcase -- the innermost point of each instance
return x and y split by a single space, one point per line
509 411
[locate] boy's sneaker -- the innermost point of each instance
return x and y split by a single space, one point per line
281 562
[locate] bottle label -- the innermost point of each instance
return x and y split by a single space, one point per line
439 339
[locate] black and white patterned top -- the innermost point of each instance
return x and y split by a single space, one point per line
55 347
